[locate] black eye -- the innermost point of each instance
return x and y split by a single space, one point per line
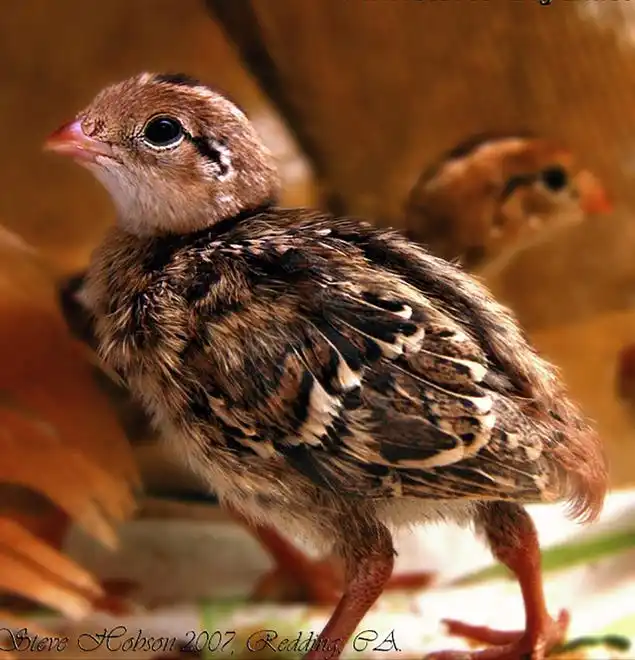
555 178
163 131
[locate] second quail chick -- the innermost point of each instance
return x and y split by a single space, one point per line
492 197
322 375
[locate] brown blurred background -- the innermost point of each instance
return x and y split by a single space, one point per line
355 97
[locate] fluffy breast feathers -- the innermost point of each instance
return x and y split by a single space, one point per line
345 353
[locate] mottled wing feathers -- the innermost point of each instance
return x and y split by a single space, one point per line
291 338
414 411
359 379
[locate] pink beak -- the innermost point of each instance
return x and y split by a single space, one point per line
593 196
71 140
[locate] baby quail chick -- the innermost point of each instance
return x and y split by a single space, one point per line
324 376
494 196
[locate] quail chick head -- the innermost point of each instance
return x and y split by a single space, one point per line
324 376
495 196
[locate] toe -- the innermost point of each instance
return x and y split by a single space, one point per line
481 634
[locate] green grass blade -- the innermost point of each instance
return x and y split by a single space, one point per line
565 555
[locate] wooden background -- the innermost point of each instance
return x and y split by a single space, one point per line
355 97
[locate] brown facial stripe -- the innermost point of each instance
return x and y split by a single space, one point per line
207 151
516 182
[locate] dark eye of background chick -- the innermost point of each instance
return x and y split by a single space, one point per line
163 131
554 178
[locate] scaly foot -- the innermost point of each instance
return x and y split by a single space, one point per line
506 645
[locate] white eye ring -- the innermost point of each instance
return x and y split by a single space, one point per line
163 132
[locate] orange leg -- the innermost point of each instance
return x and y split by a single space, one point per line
513 540
295 577
298 578
367 575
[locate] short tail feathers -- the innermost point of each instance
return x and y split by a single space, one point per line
581 461
577 453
